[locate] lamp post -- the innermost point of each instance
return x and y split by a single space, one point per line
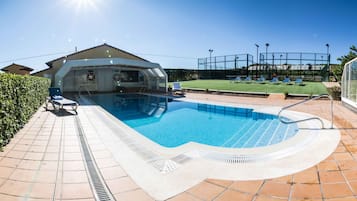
266 55
210 62
236 58
328 59
280 63
256 66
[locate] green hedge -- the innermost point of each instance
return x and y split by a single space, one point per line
20 97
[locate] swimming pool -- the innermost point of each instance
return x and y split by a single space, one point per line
172 123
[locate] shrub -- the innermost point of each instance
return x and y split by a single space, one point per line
20 97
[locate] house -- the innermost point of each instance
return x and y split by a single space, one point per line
17 69
104 68
349 85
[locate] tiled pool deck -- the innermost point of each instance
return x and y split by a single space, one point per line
44 161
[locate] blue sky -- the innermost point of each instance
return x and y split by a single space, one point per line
173 33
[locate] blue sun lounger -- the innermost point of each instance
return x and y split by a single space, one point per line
56 99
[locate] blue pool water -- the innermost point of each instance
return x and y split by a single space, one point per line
172 123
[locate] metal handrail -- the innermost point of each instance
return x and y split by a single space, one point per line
311 118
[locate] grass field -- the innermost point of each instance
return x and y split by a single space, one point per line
309 88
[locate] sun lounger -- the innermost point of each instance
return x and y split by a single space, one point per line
236 79
275 80
56 99
261 80
299 81
287 81
177 89
248 79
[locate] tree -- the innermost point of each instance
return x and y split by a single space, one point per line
338 70
351 55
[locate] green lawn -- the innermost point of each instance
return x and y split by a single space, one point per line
309 88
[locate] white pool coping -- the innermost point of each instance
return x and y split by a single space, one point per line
162 174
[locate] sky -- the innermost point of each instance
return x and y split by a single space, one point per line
173 33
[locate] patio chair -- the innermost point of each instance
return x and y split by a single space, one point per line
56 99
177 89
299 82
275 80
287 81
261 80
236 79
248 79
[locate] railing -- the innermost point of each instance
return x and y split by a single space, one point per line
311 118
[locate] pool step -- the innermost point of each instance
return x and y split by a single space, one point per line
268 134
238 134
280 133
248 134
257 134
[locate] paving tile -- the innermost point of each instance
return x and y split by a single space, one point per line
347 164
75 177
102 154
5 172
106 162
268 198
73 165
40 149
342 156
280 190
331 177
336 190
33 156
10 162
184 197
21 147
229 195
113 172
342 199
72 157
41 190
351 175
327 165
220 182
46 176
29 165
72 149
16 154
51 157
76 191
121 185
206 191
16 188
247 186
4 197
137 195
285 179
309 176
49 165
306 191
23 175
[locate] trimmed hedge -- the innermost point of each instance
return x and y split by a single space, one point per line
20 97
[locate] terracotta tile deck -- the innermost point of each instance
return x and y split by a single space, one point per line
44 162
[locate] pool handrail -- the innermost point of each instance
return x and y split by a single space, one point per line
311 118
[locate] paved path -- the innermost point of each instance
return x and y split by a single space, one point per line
44 161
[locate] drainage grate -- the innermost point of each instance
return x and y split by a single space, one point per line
101 191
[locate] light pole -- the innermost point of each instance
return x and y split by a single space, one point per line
256 66
210 62
328 59
280 63
266 55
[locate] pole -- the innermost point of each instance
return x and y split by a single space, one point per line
257 64
210 62
266 55
328 60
